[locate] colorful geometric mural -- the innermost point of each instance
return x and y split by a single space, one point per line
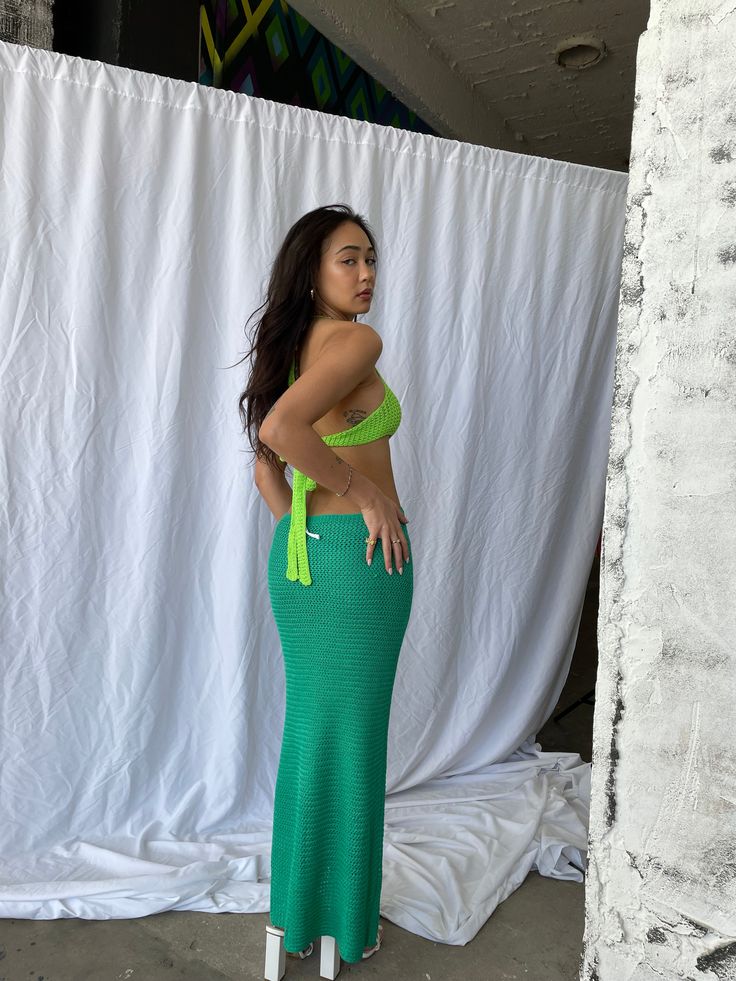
268 50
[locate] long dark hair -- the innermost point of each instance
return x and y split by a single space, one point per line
289 312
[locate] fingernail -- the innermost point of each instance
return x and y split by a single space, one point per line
401 571
369 561
390 571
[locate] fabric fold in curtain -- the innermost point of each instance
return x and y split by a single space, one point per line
143 684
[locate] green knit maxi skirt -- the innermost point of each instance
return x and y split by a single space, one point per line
341 637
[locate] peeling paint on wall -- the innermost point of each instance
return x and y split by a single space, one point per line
661 879
24 22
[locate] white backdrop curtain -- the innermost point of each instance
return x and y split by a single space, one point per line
143 687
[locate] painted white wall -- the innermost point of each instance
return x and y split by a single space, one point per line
661 884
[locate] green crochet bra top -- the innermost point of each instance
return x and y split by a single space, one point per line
383 421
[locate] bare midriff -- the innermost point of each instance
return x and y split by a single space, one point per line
373 459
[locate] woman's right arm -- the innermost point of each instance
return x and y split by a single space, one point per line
344 361
346 358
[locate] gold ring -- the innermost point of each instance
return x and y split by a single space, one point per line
371 541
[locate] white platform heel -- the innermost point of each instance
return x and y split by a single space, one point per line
330 962
275 954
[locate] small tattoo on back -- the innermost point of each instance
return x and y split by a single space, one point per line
354 416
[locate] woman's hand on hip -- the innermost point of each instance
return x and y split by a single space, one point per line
384 518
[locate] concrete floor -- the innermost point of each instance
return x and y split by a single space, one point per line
535 934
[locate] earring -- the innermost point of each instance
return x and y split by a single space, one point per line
311 293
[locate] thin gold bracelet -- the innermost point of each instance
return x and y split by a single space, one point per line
350 477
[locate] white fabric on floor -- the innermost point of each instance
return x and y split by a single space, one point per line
143 684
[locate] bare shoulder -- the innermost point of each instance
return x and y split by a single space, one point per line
338 333
339 364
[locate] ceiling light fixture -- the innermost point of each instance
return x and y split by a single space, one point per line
581 51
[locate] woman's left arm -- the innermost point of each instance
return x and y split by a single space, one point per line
273 487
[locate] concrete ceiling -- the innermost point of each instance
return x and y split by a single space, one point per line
487 72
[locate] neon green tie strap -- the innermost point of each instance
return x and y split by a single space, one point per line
298 564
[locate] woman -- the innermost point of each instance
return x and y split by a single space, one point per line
341 617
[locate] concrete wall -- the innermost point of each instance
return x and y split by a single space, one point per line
661 884
488 72
27 22
383 39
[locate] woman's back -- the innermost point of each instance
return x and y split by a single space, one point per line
373 459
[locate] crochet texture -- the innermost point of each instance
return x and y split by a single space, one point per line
341 641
